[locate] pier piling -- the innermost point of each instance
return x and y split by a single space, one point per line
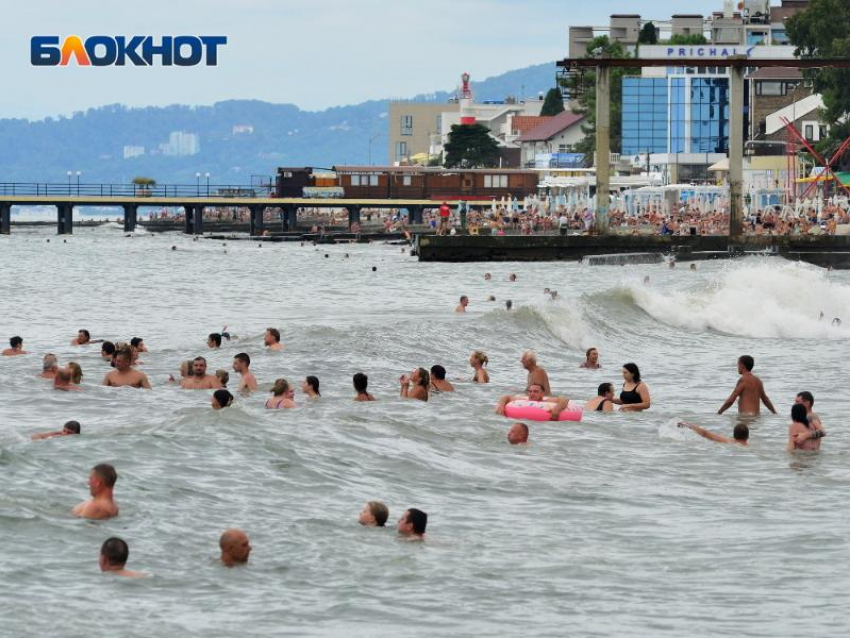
5 219
130 217
257 225
64 219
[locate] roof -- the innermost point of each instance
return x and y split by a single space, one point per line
777 73
551 127
525 123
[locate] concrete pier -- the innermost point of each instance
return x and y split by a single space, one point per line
5 219
130 217
603 147
736 150
257 221
65 219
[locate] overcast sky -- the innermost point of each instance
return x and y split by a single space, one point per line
312 53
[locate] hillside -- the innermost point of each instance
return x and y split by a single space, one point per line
271 135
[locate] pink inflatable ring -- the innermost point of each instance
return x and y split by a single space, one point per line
541 411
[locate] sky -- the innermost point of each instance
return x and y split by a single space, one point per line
312 53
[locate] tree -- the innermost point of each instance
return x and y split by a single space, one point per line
684 40
648 34
144 182
470 146
823 31
585 87
554 103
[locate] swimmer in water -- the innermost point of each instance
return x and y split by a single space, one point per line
107 350
749 391
76 372
509 304
603 401
374 514
62 381
223 376
487 276
16 347
464 302
139 344
124 375
271 339
518 434
512 277
807 400
200 380
693 267
536 374
102 480
361 383
284 395
416 384
412 524
740 435
113 557
591 360
438 380
836 322
71 427
83 337
636 398
477 360
310 387
49 366
221 399
214 341
803 435
535 393
235 547
247 381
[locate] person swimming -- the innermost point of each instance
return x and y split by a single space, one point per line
284 395
604 399
361 384
478 360
438 380
374 514
636 398
221 399
416 384
310 387
518 434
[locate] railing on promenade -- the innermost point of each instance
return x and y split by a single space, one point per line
160 191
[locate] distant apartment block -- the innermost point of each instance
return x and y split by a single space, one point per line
242 129
411 125
133 151
181 144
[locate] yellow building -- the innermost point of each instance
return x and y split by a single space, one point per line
411 125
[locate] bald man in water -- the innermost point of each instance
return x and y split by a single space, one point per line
235 547
536 374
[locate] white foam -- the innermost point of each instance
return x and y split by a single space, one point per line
761 301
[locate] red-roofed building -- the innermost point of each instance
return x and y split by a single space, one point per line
557 134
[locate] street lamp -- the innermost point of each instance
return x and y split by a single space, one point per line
198 183
78 182
69 182
208 184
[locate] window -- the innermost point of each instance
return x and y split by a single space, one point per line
824 131
810 132
495 181
400 150
406 180
407 125
770 88
287 174
564 148
355 180
373 180
488 181
439 125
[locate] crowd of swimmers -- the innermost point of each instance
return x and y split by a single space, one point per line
804 433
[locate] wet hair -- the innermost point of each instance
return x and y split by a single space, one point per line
86 333
418 518
524 428
196 359
122 350
215 338
280 386
49 362
438 372
108 348
223 397
274 332
380 511
244 358
73 426
136 342
805 395
509 304
604 388
361 382
313 382
106 472
76 372
115 551
798 414
223 376
741 432
480 357
424 377
748 362
15 342
632 367
63 376
587 354
462 297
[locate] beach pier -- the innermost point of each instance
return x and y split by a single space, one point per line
64 218
5 219
130 217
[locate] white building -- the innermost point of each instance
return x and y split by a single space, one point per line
133 151
181 143
557 134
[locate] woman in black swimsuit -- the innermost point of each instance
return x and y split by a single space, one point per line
604 401
635 394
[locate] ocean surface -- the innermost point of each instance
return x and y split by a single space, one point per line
622 525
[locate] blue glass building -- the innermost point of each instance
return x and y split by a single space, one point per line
679 113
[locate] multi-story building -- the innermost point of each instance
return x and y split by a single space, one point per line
412 125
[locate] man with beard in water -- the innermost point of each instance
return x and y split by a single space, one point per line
749 391
200 380
124 374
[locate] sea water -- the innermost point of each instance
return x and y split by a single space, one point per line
620 525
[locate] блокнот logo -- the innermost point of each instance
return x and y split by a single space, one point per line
137 50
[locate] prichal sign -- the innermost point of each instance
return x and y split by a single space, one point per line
714 52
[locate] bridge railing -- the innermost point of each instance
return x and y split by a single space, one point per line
159 191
